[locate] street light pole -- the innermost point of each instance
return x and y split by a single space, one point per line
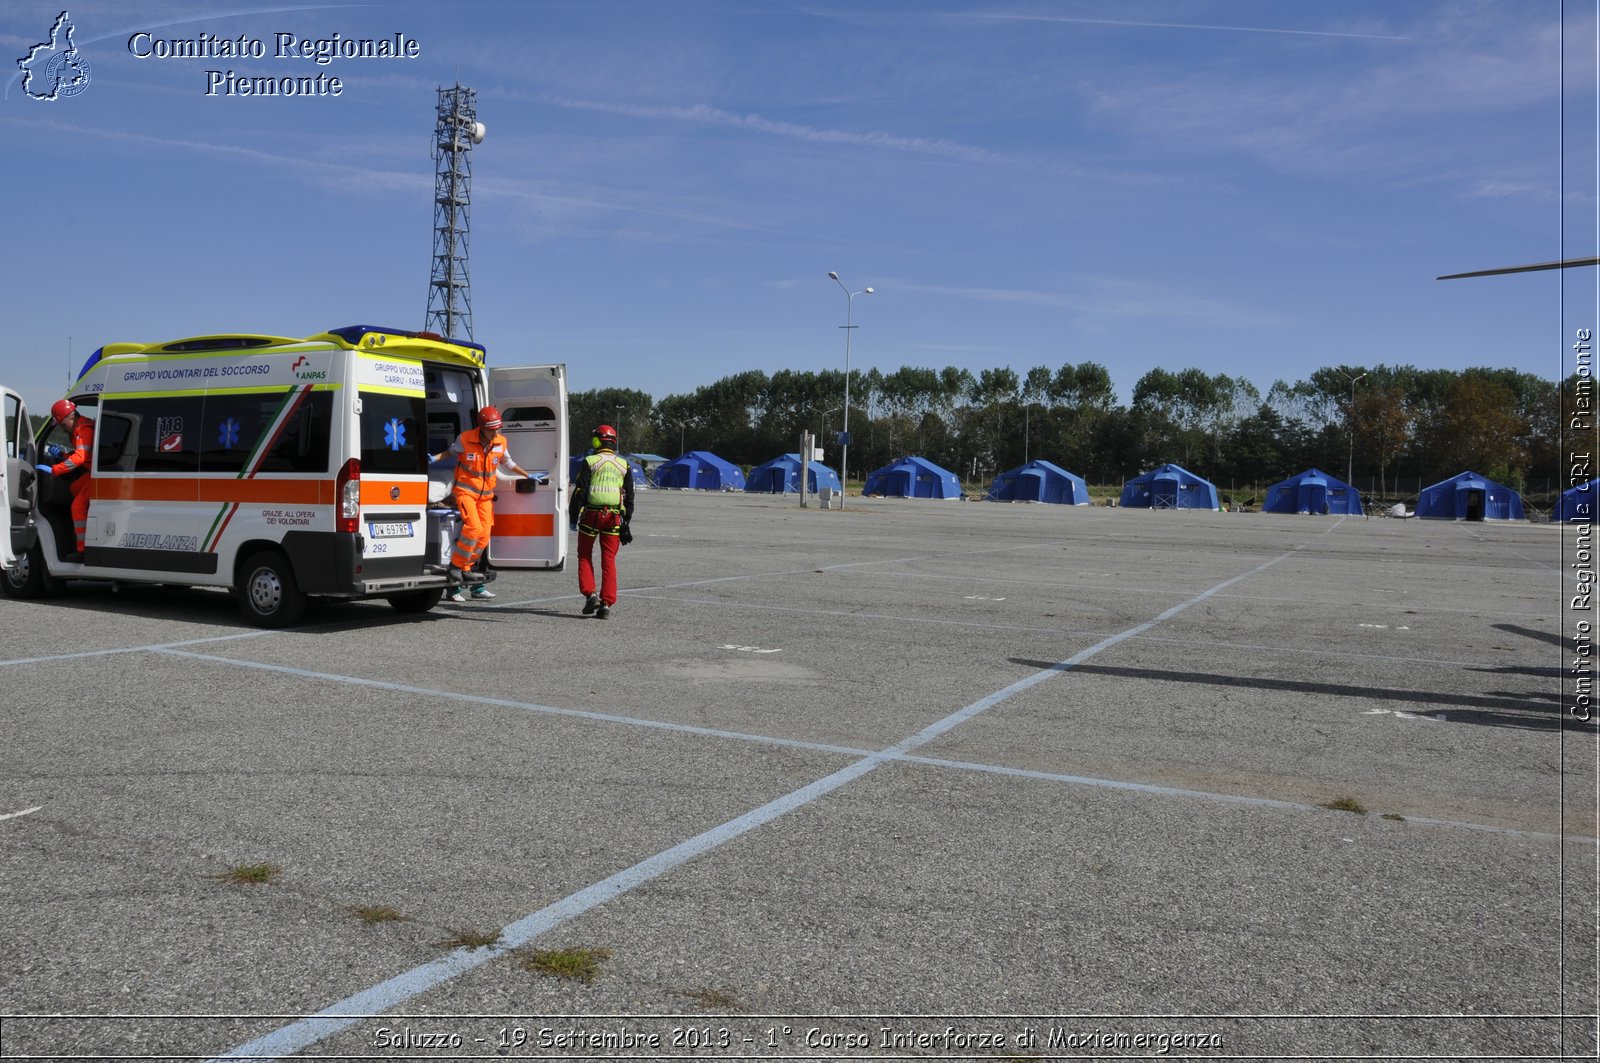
1350 430
844 448
831 409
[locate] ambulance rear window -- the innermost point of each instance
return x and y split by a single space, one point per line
393 430
528 413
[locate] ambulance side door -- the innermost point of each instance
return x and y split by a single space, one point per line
530 527
17 477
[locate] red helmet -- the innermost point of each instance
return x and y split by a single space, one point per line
606 436
489 417
63 409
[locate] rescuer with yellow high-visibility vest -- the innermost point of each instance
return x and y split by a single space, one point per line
601 508
481 456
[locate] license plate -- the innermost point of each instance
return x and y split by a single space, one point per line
400 529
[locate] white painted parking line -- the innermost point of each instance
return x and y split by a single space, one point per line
387 995
135 649
819 747
850 614
24 812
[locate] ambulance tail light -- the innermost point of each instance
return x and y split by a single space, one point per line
348 487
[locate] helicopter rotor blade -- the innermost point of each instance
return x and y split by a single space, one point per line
1567 263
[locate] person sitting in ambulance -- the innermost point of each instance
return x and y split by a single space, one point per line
73 460
481 460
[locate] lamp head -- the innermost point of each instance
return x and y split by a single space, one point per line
869 291
832 275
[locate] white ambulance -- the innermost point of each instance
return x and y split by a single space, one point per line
284 469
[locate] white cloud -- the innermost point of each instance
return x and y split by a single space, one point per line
1103 297
938 147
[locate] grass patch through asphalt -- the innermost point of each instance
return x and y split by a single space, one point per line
580 965
718 999
378 913
249 874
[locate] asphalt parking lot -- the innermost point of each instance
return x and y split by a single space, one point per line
911 779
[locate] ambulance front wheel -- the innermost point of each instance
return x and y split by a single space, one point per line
267 591
27 578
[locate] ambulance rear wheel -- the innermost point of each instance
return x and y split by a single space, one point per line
416 601
267 592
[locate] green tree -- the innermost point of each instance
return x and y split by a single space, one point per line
627 410
1382 426
1478 427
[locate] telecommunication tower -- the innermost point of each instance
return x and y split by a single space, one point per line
450 291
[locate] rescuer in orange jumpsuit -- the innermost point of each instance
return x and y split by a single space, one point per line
480 455
73 462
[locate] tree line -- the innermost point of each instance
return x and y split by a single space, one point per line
1394 427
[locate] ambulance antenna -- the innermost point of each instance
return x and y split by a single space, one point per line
69 362
455 132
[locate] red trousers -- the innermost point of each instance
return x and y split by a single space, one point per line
605 525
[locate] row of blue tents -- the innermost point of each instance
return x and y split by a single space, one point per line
1466 496
701 470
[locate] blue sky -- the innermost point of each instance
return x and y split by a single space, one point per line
1253 188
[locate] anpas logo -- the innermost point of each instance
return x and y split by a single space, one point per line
307 374
62 70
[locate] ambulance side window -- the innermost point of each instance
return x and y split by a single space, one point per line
15 430
165 434
13 425
302 445
233 428
88 406
112 434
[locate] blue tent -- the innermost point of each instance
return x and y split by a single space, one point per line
1577 505
701 470
1170 487
1468 496
1312 491
1040 481
782 474
913 478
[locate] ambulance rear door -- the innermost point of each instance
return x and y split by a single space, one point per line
394 466
16 477
530 527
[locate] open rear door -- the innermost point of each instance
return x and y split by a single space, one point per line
530 528
16 477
